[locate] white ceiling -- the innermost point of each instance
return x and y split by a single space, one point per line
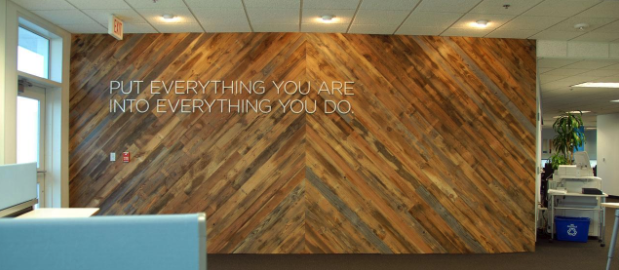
533 19
536 19
557 76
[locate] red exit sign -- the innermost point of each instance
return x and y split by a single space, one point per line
115 27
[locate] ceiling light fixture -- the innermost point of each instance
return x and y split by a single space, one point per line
598 84
615 101
327 18
578 112
169 18
481 23
581 26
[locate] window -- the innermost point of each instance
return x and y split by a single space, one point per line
32 53
28 130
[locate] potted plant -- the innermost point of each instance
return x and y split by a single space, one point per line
570 134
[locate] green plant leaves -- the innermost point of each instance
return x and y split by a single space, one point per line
570 133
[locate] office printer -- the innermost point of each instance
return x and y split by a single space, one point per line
572 179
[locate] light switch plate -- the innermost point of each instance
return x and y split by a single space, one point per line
112 156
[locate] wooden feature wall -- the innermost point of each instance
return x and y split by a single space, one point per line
438 156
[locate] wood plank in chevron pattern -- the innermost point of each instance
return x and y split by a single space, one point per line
438 156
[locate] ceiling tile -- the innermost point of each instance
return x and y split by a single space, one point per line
496 7
330 4
544 78
98 4
577 79
563 8
568 25
34 5
554 62
227 28
316 27
603 9
610 79
455 6
591 64
407 5
275 27
465 32
273 16
185 23
612 67
221 16
149 4
509 33
566 71
381 29
84 28
65 17
380 17
126 15
342 16
556 35
532 22
215 3
420 30
431 19
278 4
555 85
609 28
601 73
598 37
138 28
543 69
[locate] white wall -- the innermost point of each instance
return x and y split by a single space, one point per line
608 152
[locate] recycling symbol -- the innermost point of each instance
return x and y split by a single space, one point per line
572 230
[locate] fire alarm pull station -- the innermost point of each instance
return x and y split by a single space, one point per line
126 157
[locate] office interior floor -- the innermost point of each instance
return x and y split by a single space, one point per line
547 256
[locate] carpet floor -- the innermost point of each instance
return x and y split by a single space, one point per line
547 256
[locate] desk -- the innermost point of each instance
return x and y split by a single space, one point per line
598 207
60 213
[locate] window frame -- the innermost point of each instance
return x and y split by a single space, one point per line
57 99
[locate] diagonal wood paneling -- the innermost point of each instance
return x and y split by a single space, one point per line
438 156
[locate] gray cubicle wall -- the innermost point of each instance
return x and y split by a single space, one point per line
18 185
104 243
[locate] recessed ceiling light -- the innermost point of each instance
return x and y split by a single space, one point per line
169 18
598 84
327 18
481 23
581 26
578 112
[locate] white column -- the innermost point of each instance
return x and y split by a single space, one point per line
608 152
